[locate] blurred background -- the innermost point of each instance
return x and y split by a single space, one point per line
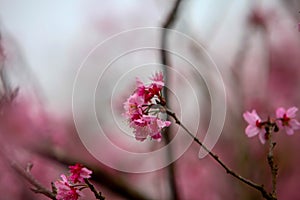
255 45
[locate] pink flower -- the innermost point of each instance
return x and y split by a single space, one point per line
154 89
79 173
158 80
141 88
65 191
156 127
142 111
133 107
286 119
255 126
149 125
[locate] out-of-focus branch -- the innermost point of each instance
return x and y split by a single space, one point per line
25 173
6 93
115 184
3 86
170 20
292 7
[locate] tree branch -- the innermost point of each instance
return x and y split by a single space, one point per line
97 194
39 188
260 188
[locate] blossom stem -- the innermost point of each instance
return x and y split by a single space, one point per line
97 194
273 166
250 183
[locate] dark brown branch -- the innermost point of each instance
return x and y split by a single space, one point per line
97 194
260 188
112 182
170 20
39 188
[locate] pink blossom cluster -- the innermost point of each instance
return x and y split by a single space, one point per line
285 120
142 109
68 187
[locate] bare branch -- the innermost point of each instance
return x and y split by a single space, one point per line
38 187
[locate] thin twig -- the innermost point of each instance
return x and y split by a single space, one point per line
170 20
97 194
260 188
39 188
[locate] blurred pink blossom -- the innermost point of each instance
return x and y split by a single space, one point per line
255 126
287 120
259 17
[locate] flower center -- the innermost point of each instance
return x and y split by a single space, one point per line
259 124
285 120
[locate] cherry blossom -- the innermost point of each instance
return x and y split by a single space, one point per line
142 109
287 119
65 191
255 126
149 126
79 173
133 107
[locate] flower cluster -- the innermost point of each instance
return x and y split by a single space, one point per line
143 109
285 119
68 188
79 173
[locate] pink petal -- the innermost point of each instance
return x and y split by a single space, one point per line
162 124
294 124
280 112
167 123
280 125
86 173
139 83
251 118
140 138
291 112
139 122
157 137
251 130
262 137
158 76
289 130
64 178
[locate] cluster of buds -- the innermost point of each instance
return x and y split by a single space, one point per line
144 107
68 188
285 120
